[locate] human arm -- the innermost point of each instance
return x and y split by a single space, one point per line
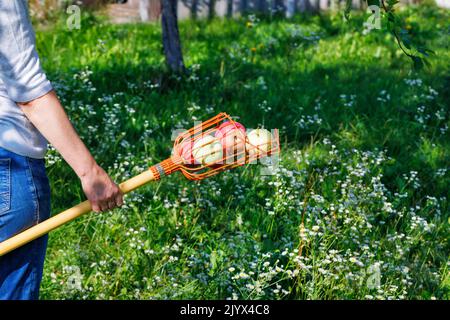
23 81
49 117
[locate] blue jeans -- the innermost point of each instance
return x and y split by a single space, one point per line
24 202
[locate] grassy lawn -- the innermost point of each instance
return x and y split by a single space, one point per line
357 209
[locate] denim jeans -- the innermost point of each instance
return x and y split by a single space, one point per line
24 202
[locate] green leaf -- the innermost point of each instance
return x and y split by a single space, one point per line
392 3
418 62
423 51
427 63
405 38
348 8
429 51
391 17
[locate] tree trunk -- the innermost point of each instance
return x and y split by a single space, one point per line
261 5
171 36
194 9
278 7
316 6
211 9
243 6
291 8
304 6
229 8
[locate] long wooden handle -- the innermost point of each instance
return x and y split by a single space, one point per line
54 222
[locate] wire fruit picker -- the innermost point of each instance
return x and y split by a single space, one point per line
215 145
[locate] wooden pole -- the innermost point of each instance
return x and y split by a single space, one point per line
66 216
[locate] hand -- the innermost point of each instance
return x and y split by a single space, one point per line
101 190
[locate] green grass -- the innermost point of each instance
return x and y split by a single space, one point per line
361 188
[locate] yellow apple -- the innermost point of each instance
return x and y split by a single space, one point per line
207 150
260 138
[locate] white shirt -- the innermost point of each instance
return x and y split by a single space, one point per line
21 80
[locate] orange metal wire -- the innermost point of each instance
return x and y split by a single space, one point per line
247 153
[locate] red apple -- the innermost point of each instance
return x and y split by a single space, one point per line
232 138
185 150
